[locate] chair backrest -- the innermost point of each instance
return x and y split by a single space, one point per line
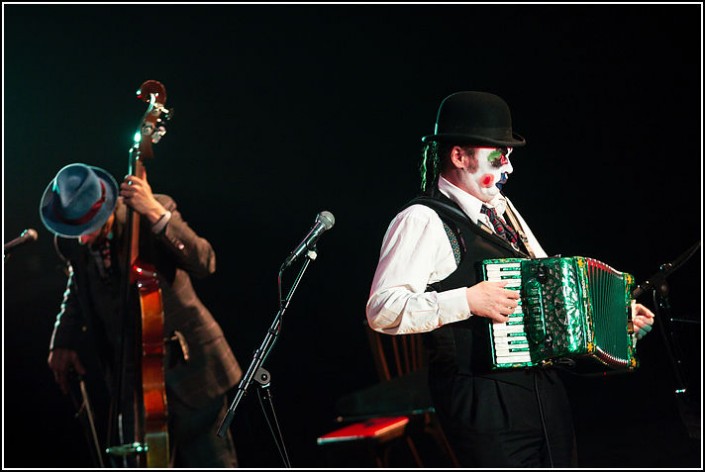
402 389
401 362
396 356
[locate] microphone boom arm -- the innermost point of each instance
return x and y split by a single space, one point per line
653 282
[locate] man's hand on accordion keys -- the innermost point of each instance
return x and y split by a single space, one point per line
643 320
492 300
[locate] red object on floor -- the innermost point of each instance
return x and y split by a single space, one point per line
374 428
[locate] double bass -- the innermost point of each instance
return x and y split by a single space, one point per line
139 415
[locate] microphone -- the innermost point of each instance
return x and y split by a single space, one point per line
29 235
324 221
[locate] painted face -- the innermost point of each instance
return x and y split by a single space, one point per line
493 169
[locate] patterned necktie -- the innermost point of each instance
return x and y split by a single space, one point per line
500 227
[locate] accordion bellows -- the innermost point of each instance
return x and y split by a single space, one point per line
571 307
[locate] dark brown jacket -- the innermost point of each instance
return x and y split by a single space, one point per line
92 303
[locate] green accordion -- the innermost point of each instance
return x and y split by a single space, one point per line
570 307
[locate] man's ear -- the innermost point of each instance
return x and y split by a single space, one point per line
458 157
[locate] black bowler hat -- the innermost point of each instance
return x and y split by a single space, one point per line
475 118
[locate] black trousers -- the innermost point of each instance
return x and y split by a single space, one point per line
194 439
522 419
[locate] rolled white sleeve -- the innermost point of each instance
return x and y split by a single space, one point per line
415 253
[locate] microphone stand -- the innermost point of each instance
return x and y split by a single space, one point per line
664 271
657 283
261 375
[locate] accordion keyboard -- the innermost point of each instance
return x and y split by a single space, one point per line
509 343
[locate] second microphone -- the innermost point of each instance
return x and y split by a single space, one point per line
324 221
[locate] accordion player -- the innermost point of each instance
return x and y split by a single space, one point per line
570 307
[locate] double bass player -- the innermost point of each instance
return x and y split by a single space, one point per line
85 209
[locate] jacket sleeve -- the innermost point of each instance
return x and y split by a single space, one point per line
193 253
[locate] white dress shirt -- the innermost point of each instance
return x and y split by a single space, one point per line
416 252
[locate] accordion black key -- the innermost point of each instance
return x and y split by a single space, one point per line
570 307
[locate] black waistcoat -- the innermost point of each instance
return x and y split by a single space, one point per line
463 348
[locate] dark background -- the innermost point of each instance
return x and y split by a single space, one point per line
284 111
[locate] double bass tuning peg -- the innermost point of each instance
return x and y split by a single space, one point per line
157 134
167 113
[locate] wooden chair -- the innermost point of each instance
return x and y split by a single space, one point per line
402 390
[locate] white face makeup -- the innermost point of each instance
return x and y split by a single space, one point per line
493 169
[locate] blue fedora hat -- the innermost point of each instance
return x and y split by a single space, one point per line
78 201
